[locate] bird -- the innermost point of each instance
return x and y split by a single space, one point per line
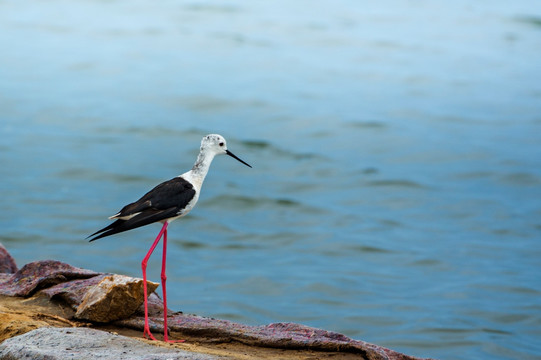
166 202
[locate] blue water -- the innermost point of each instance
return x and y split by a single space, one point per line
395 194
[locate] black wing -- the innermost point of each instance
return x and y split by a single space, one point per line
165 201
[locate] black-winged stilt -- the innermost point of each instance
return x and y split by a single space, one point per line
168 201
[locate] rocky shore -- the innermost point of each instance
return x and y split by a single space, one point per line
52 310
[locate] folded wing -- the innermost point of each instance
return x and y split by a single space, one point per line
165 201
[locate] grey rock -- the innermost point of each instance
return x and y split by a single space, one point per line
87 344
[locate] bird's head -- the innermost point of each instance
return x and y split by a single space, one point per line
217 145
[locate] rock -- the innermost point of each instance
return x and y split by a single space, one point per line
40 274
277 335
95 296
72 292
115 297
104 298
86 344
7 264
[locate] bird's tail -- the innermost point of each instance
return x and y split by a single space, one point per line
106 231
139 220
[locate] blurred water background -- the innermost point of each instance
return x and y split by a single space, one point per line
396 151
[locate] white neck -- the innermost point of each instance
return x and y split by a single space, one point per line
200 169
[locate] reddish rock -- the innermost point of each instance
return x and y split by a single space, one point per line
277 335
72 292
41 274
7 264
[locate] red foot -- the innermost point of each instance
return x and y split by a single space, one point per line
173 341
147 335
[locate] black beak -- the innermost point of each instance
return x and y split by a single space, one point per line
235 157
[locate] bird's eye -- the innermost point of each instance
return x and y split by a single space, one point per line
221 144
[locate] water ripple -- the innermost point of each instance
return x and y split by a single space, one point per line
396 183
246 202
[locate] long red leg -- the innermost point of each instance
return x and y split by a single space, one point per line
164 291
146 331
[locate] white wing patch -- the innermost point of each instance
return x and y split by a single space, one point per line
128 217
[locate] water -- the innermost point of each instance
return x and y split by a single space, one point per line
395 194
